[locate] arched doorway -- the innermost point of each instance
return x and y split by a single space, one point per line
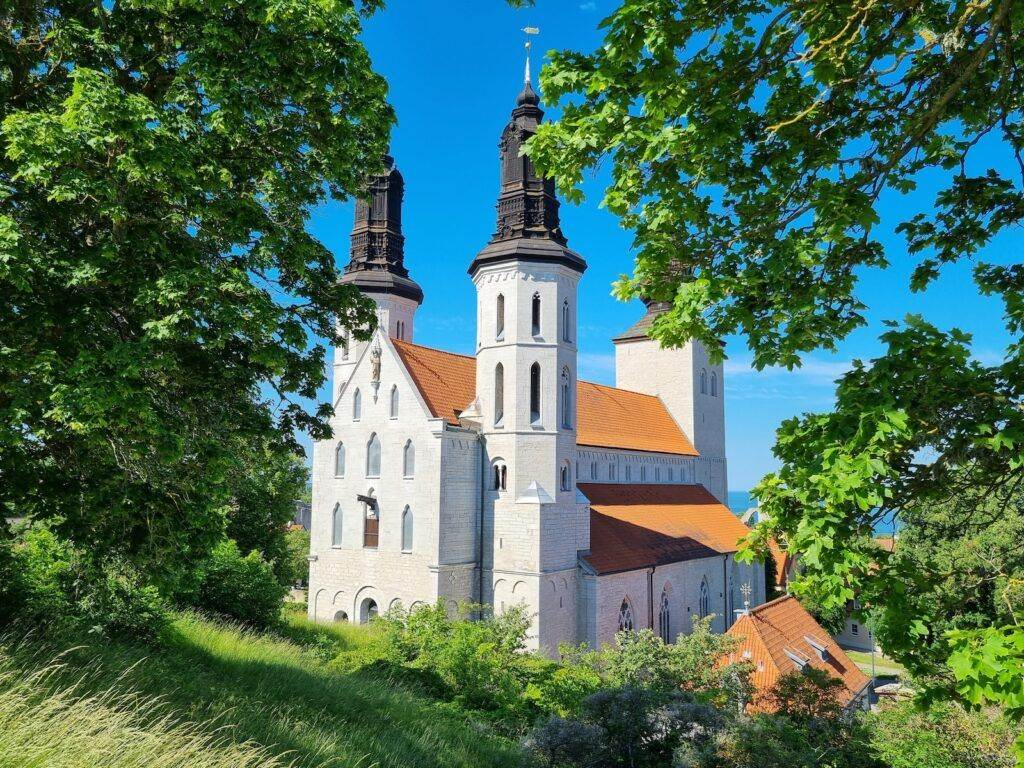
367 610
341 616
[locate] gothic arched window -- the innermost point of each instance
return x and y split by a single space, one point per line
499 319
344 346
339 460
336 521
535 392
500 472
407 530
566 336
703 381
564 480
625 616
664 617
499 394
409 459
714 384
705 599
566 400
357 405
535 314
373 456
393 410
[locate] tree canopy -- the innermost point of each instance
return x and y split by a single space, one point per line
158 162
750 143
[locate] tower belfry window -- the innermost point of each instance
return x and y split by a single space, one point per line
566 400
535 314
703 381
714 384
566 335
499 394
535 393
499 319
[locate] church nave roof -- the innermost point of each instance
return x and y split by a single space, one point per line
606 417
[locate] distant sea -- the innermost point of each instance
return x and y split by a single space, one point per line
741 501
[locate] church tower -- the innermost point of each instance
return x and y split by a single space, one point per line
690 386
526 279
377 266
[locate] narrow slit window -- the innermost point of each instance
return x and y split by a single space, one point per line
499 319
535 393
499 394
535 314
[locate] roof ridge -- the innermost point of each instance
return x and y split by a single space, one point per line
762 606
618 389
404 343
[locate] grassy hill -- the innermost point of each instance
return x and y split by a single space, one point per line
215 696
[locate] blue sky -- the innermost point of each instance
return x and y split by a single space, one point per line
454 69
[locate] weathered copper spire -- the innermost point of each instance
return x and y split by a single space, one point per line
377 263
528 227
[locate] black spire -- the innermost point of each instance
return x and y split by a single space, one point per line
528 228
377 263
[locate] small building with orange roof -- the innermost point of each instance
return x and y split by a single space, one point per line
780 637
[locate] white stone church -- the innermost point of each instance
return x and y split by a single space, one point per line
500 478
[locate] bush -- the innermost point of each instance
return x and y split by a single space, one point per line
118 601
55 585
294 565
944 736
242 588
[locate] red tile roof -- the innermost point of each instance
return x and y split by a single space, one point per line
675 511
769 630
606 417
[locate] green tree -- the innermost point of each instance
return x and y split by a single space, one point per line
749 144
267 483
158 162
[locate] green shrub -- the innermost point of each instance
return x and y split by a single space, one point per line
294 565
44 571
943 736
242 588
55 585
118 601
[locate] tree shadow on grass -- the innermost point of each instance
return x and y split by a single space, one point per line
296 706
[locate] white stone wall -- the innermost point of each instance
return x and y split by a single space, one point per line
683 582
342 576
642 365
609 465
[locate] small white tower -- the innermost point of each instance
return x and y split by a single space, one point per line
377 267
526 280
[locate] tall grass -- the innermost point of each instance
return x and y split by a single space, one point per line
240 689
46 723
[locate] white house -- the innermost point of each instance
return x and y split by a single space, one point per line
500 477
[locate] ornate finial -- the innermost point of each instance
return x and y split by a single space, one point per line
746 590
529 31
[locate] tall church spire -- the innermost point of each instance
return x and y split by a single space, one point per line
377 264
528 225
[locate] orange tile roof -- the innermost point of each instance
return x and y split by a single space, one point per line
674 511
783 562
446 380
617 545
607 417
769 630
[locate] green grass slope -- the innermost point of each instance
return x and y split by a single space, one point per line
215 695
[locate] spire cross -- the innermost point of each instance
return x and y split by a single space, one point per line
529 31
